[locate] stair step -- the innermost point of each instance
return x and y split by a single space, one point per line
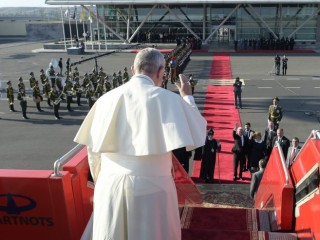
237 219
195 234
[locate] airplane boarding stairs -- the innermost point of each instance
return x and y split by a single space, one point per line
46 204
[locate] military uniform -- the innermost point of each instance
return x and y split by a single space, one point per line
21 86
37 98
10 96
55 98
46 90
102 75
23 103
32 80
119 78
107 84
90 95
275 113
99 90
68 90
284 65
78 90
52 76
277 62
114 80
125 76
43 77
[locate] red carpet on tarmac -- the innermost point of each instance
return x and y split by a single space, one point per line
221 115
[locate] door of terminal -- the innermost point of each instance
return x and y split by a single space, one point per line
225 34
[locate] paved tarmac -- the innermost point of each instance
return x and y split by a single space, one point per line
38 142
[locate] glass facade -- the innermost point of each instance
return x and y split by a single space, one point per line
246 22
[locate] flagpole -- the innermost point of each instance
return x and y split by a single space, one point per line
77 29
70 30
98 28
64 34
105 32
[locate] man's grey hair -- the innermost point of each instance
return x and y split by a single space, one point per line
148 60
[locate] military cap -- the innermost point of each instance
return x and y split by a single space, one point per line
31 73
76 68
9 82
101 68
125 69
276 98
86 74
114 74
119 72
41 70
20 79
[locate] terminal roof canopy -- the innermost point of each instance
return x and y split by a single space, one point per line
151 2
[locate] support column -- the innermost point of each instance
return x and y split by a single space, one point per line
204 21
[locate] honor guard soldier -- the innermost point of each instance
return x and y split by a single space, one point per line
68 91
32 80
21 86
277 62
78 90
54 96
59 83
86 81
37 98
192 82
42 77
284 65
10 96
125 75
75 73
46 90
119 78
114 80
102 75
68 67
275 113
23 103
107 84
90 95
52 76
99 90
94 79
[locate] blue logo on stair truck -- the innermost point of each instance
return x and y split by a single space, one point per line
17 203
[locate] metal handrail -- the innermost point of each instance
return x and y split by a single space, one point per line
283 162
64 159
315 134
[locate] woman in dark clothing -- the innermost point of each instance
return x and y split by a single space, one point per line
209 157
257 151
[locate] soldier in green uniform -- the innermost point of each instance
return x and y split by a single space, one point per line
68 91
52 76
85 81
275 113
99 90
192 82
54 96
119 78
23 103
90 95
21 86
107 84
58 83
32 80
102 75
37 98
75 73
125 75
46 90
78 90
10 96
114 80
42 77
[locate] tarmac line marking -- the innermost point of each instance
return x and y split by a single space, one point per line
316 87
264 87
293 79
316 79
268 79
292 87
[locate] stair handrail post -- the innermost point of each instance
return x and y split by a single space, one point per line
283 162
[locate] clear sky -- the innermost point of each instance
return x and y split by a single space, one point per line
24 3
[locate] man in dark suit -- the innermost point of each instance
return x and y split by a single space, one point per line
269 134
256 178
293 151
284 142
248 133
239 150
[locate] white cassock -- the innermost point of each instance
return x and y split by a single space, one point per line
130 132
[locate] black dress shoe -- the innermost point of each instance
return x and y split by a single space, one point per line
234 178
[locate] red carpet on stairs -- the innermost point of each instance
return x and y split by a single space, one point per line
221 115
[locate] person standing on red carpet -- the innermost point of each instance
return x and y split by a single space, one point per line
237 92
209 150
239 150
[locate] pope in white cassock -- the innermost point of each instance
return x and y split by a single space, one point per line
130 133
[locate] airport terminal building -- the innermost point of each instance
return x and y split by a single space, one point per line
207 20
